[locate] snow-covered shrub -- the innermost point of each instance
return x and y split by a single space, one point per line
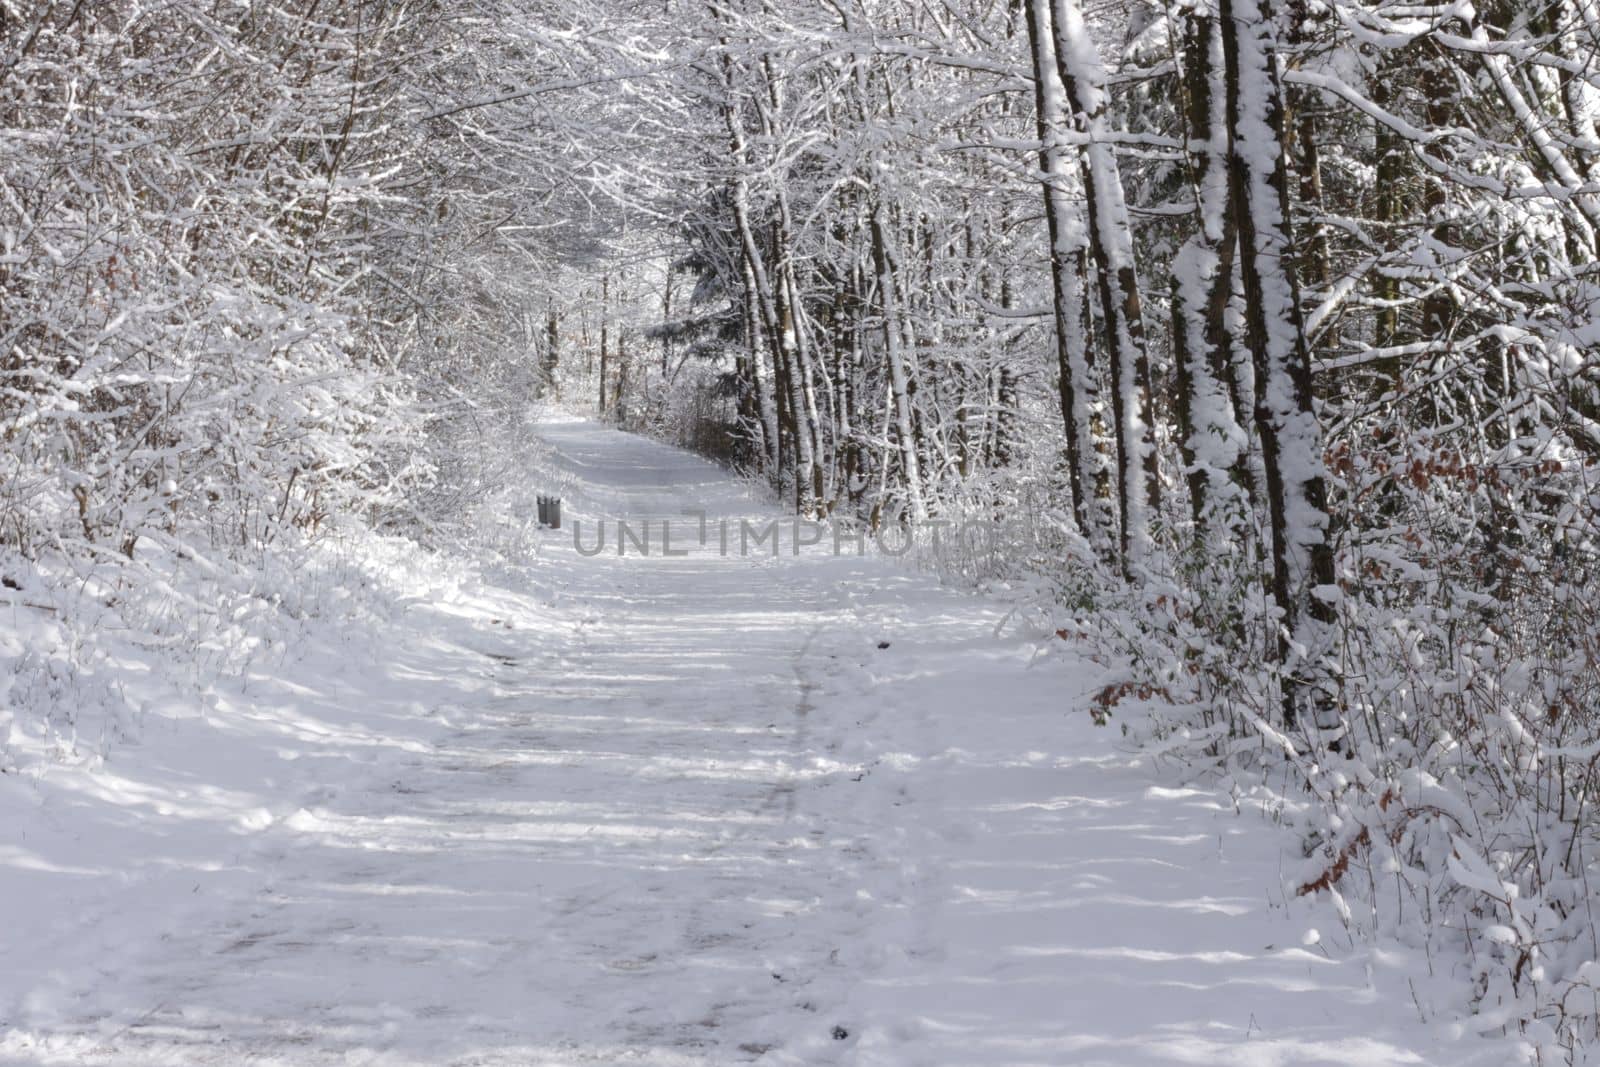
1453 810
251 306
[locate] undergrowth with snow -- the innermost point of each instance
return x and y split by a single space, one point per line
1453 810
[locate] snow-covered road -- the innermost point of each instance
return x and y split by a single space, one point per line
686 810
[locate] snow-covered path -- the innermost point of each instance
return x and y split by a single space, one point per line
702 810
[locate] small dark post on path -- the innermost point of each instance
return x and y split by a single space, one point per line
550 512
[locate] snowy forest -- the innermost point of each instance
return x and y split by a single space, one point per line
1269 331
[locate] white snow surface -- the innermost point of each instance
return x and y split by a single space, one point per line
647 810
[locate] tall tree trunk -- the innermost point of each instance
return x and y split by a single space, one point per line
605 329
899 379
757 278
1291 440
771 439
552 353
1111 240
809 489
623 369
1069 289
800 413
772 320
844 322
1210 436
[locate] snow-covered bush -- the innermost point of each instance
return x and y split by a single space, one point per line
255 300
